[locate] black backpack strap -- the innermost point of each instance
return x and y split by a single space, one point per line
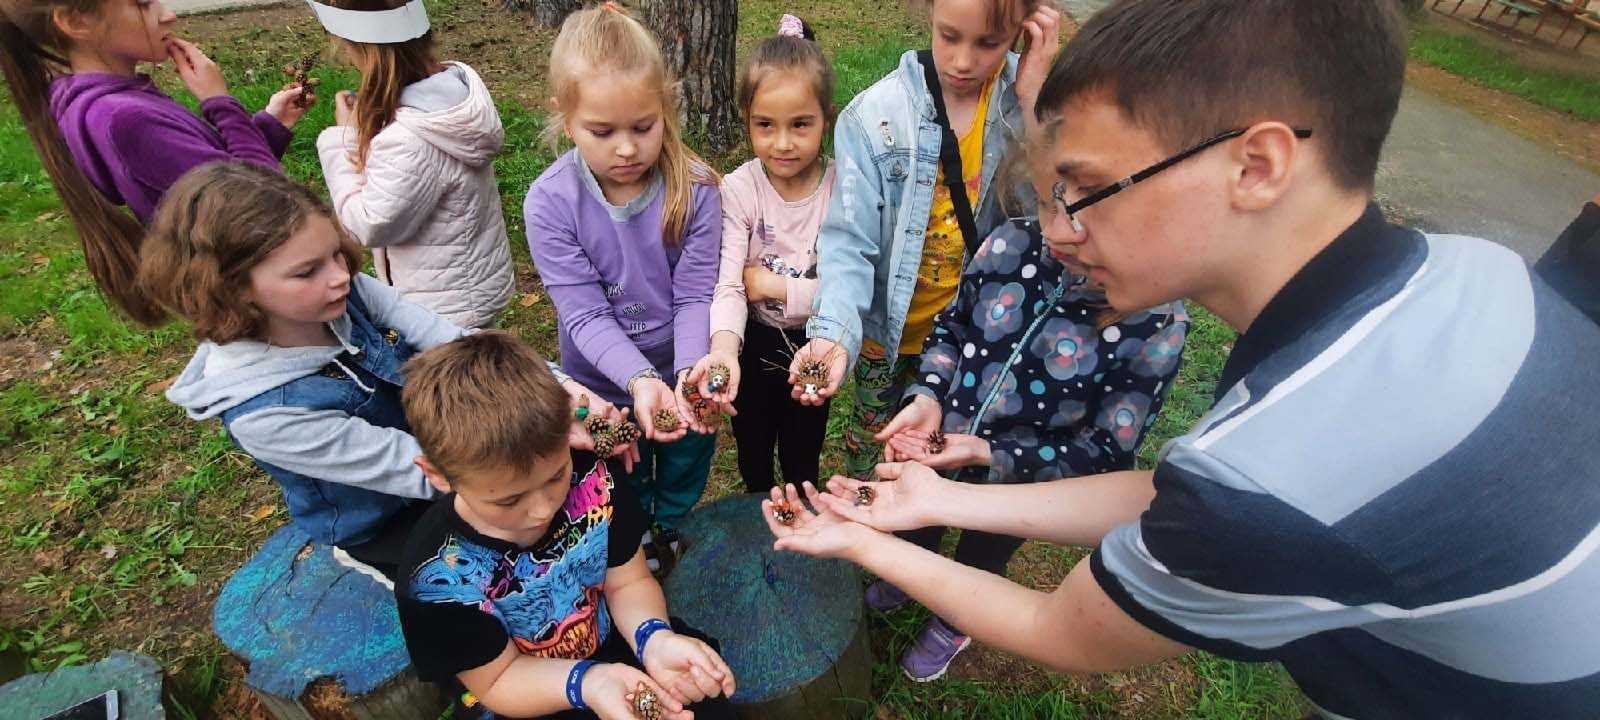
950 156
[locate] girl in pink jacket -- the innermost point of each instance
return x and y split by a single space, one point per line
410 164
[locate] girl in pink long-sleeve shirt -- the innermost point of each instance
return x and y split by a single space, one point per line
772 209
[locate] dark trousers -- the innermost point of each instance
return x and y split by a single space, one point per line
768 418
984 551
382 552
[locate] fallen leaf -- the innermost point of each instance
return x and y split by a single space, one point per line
529 299
262 513
41 260
47 217
109 552
160 386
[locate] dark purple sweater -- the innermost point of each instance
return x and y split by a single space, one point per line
133 141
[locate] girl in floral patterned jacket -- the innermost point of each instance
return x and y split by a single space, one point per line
1030 377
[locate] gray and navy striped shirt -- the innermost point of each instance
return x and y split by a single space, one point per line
1397 492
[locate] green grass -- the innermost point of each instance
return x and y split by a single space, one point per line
120 518
1478 63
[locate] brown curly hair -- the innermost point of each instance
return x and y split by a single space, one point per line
212 227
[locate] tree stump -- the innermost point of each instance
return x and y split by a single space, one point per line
296 617
136 678
791 627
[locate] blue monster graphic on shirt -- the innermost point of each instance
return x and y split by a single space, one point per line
548 597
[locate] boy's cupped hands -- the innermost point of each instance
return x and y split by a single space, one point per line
688 669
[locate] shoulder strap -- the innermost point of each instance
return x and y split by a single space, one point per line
950 156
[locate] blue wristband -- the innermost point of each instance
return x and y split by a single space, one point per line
641 635
575 684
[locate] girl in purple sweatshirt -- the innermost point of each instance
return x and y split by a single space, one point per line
108 137
625 231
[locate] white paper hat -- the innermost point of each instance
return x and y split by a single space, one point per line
398 25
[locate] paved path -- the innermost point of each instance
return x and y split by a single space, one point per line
1446 170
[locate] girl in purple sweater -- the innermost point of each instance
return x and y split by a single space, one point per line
625 231
108 137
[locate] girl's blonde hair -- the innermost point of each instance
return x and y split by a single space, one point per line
213 226
604 38
32 54
386 69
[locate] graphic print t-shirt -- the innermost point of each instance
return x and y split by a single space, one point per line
461 594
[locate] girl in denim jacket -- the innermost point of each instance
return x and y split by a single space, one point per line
300 356
891 249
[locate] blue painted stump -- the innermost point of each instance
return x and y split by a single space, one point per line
136 678
790 626
296 616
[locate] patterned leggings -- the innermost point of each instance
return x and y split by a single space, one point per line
879 387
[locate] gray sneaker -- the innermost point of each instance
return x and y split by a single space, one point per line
930 656
883 597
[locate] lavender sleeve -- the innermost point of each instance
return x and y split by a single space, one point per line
584 313
155 149
694 278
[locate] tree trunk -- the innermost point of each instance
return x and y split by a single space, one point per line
548 13
697 39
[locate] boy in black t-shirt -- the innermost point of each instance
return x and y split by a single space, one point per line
524 583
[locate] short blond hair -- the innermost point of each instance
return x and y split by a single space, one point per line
485 401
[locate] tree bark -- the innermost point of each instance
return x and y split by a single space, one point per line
548 13
697 39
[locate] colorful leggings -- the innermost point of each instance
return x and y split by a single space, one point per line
880 386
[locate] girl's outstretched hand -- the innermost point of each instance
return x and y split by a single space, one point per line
959 450
687 668
922 416
197 71
706 424
285 104
652 396
821 534
608 690
912 500
1043 30
831 356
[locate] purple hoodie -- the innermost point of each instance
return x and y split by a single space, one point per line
133 141
624 302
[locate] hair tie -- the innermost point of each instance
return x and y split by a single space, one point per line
612 6
792 26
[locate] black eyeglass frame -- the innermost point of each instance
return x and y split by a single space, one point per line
1071 210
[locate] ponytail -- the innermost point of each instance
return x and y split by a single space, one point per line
110 235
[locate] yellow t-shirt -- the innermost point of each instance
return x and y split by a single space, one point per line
943 248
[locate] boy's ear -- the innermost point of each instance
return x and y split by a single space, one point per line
1265 158
429 471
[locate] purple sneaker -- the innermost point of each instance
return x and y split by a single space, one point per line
883 597
930 656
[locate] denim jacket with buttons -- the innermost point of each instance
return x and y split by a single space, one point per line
886 155
326 421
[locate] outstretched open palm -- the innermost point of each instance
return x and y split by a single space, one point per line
818 534
906 499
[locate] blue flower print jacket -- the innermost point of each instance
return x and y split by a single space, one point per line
1020 360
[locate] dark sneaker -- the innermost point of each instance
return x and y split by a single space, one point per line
930 656
883 597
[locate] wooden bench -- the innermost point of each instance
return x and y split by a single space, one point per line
320 639
791 627
1522 9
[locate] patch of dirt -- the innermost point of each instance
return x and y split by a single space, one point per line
1566 135
23 356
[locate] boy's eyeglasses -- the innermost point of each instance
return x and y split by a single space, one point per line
1059 190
